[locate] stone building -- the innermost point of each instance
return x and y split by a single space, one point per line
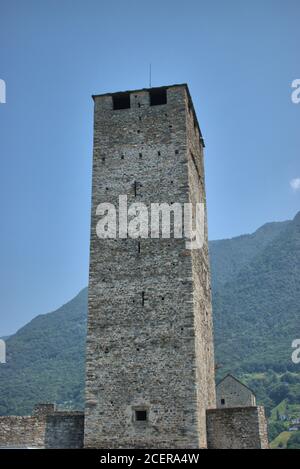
231 392
150 360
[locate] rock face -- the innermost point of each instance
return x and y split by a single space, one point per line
150 358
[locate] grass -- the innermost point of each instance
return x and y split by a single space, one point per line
280 409
281 440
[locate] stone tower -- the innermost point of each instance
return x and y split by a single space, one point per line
150 360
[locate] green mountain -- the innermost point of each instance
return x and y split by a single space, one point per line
228 256
256 298
45 360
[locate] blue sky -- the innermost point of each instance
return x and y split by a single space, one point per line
239 59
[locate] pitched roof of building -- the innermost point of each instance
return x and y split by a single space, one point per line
229 375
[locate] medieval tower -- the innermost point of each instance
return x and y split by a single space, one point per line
150 357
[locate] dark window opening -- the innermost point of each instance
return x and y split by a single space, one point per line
223 401
140 415
121 101
143 298
139 247
158 96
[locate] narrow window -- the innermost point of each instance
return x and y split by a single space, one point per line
143 298
222 401
158 96
121 101
141 415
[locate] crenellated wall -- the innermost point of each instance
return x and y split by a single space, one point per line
46 428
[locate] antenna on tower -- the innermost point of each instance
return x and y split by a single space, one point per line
150 76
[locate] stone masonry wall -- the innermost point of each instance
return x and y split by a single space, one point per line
46 428
237 428
23 432
64 430
201 280
149 344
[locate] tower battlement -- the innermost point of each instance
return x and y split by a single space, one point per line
146 97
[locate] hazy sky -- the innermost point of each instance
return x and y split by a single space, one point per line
239 59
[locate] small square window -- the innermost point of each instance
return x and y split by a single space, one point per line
141 415
222 401
158 96
121 101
